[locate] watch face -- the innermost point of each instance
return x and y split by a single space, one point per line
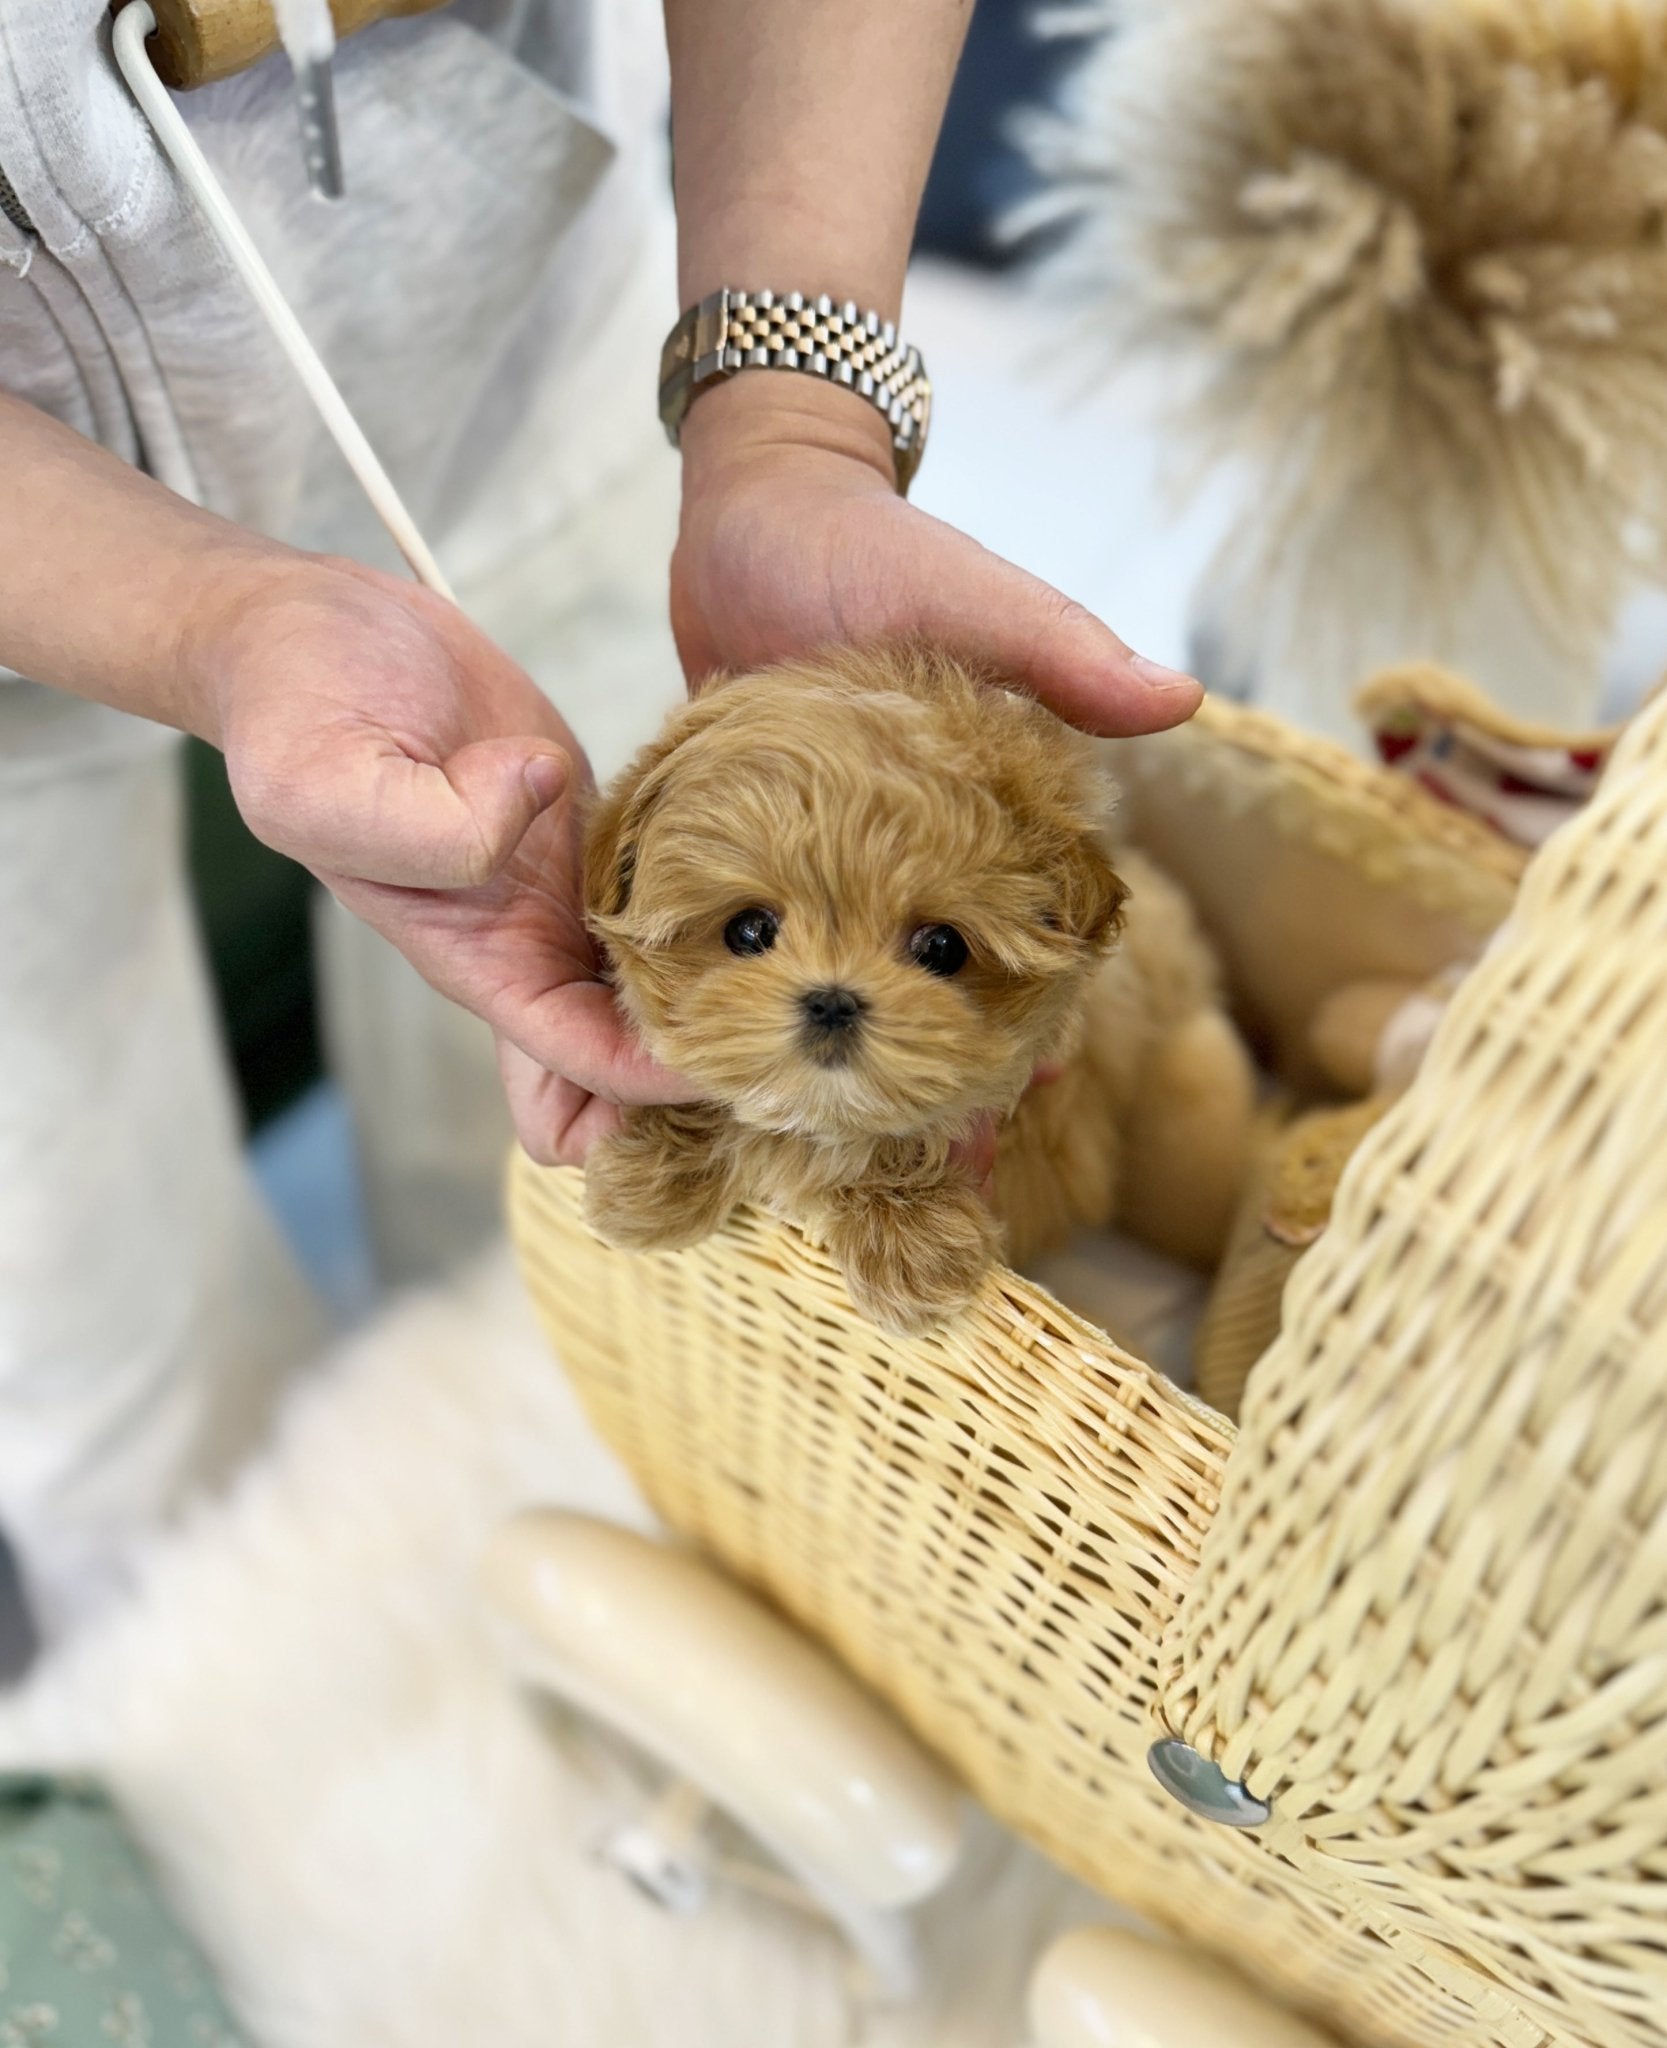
679 343
677 370
676 354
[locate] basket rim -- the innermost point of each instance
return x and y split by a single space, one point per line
1344 786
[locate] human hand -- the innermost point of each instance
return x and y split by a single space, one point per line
793 537
374 735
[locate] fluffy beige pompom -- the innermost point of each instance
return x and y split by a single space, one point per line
1409 257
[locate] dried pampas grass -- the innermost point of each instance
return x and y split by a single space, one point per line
1409 256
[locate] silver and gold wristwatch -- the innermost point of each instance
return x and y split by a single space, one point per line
730 331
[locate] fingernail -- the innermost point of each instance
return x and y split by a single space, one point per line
1164 680
546 776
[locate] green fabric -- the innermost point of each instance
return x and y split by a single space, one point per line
89 1957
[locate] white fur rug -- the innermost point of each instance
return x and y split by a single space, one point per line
377 1841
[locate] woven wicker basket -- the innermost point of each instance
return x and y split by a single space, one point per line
1418 1601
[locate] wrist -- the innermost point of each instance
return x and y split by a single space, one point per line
243 590
760 416
762 238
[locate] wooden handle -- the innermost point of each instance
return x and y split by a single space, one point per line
198 41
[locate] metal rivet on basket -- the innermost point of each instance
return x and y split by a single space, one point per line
1203 1788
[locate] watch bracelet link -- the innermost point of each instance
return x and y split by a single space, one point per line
730 331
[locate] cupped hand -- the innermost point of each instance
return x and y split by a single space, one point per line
372 734
793 538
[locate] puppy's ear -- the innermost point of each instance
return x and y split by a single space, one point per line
620 815
611 837
1092 893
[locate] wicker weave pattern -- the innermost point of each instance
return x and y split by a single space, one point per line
1431 1619
992 1525
1244 1306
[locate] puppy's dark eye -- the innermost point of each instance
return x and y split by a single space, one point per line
939 948
752 931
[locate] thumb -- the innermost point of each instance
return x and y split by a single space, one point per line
377 815
990 610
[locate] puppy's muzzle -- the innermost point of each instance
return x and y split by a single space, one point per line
833 1019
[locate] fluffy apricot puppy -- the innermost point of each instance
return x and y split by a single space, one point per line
856 900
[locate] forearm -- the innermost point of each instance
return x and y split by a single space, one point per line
104 573
802 132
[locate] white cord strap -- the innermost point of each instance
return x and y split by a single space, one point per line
133 25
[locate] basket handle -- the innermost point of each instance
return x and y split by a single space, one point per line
1453 1460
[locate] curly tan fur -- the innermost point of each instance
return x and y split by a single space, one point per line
1410 255
1149 1124
859 798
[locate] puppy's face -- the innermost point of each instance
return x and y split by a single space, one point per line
854 899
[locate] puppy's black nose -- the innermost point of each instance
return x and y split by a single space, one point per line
829 1011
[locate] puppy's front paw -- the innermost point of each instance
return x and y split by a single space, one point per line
658 1184
910 1258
